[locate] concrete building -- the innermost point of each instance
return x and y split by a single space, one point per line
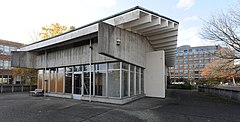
190 61
5 61
116 59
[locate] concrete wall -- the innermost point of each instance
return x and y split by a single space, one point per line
71 56
133 47
23 59
226 93
154 80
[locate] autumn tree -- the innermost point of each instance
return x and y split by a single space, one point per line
53 30
221 69
28 76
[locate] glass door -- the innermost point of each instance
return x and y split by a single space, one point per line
77 84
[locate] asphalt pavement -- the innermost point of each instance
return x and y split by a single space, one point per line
178 106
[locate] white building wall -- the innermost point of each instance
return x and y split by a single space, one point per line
154 81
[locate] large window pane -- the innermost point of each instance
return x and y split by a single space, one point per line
68 80
142 81
131 80
5 64
124 83
60 77
100 83
86 85
114 65
47 76
101 67
114 83
137 80
52 79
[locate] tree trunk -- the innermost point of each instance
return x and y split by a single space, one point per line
234 83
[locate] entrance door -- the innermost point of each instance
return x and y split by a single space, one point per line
77 86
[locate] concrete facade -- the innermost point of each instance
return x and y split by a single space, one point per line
116 60
155 74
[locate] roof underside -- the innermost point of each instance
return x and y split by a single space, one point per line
161 32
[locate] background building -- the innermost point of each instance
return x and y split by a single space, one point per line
5 60
190 61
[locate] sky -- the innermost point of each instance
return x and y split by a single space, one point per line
21 20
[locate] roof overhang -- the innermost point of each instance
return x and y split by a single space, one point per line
160 31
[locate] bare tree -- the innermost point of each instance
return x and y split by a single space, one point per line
224 27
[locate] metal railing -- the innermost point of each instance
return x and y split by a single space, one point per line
16 88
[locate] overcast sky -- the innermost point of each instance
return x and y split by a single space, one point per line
19 19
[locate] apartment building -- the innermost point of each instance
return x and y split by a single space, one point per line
190 61
5 60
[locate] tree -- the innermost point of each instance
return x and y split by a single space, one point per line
221 69
224 27
26 74
53 30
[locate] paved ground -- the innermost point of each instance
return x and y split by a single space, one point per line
179 106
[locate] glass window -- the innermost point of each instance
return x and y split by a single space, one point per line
114 83
206 60
6 49
60 78
76 69
137 80
196 72
114 65
202 65
190 50
185 61
1 49
142 81
5 65
100 66
1 64
69 69
131 80
196 50
100 81
53 79
125 66
40 79
195 60
185 51
125 83
86 80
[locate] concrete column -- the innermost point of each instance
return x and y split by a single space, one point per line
120 90
129 80
135 77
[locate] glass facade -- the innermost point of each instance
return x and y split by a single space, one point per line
100 79
113 80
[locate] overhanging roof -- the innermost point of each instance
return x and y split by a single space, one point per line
160 31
